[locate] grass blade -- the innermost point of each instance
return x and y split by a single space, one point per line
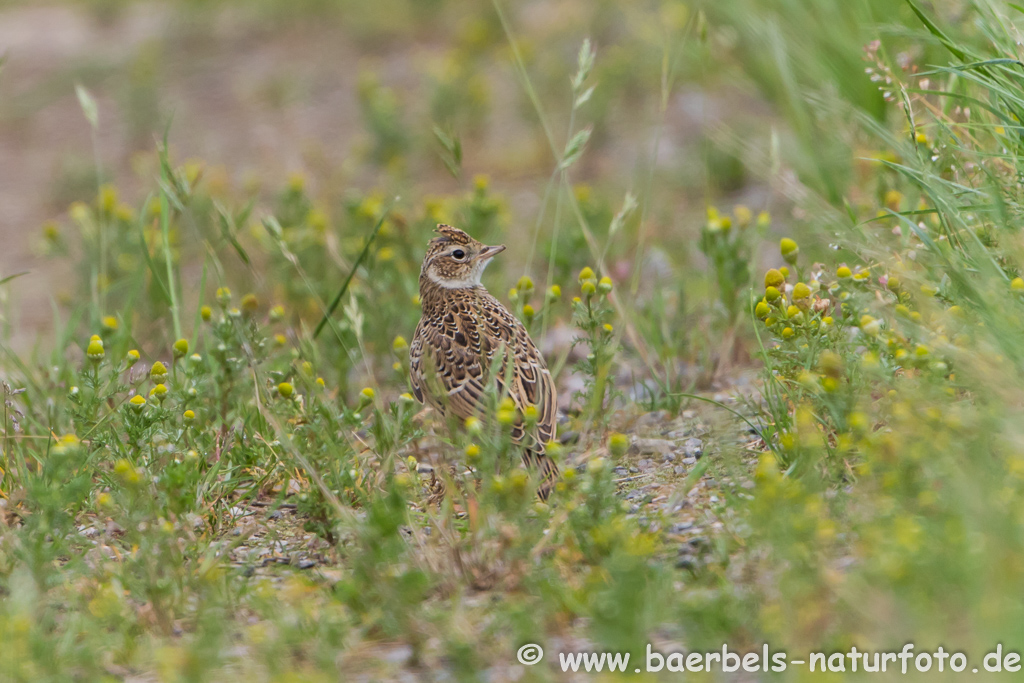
351 274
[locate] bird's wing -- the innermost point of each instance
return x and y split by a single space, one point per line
452 358
531 382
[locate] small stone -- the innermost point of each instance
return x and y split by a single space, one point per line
306 563
689 461
679 469
680 527
686 562
670 457
651 446
634 470
621 471
694 447
657 417
644 464
568 437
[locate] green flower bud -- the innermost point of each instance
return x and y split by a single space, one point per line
790 250
95 351
618 444
158 373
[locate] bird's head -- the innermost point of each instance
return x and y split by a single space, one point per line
455 260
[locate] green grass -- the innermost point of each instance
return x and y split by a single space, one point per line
231 481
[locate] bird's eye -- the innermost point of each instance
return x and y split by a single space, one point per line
458 254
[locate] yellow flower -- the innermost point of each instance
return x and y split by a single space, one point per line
843 272
109 323
223 296
618 444
250 304
762 309
399 345
513 295
506 417
159 392
276 313
787 332
525 284
132 357
1017 284
367 393
206 313
473 425
555 292
137 402
528 312
280 339
801 291
531 413
772 294
588 289
472 451
586 274
773 278
605 285
744 216
285 389
180 348
108 198
608 328
188 415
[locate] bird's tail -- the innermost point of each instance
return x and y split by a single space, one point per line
533 457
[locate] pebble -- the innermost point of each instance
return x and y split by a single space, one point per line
655 418
679 469
694 447
689 461
670 457
569 437
686 562
307 563
634 470
680 527
621 471
652 446
644 464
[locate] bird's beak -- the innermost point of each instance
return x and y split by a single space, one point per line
490 252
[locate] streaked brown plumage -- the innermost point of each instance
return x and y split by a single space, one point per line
463 333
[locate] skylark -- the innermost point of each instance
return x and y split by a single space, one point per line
466 339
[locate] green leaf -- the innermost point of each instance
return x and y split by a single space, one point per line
7 279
